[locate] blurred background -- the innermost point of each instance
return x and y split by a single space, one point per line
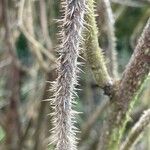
28 42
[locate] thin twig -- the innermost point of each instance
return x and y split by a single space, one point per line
86 127
5 63
39 48
24 136
136 130
43 109
43 20
106 22
131 3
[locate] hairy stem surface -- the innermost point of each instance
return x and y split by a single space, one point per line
64 136
93 52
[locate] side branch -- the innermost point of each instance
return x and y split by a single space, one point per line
136 130
93 52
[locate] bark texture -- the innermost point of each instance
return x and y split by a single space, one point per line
64 134
133 77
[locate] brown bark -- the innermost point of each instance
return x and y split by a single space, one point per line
132 79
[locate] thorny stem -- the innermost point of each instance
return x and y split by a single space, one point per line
63 133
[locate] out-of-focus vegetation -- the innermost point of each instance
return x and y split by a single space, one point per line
28 41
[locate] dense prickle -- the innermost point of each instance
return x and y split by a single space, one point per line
63 133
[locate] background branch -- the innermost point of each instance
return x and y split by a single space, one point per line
136 130
105 20
44 24
132 3
12 122
87 126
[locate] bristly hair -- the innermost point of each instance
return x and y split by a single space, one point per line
64 131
